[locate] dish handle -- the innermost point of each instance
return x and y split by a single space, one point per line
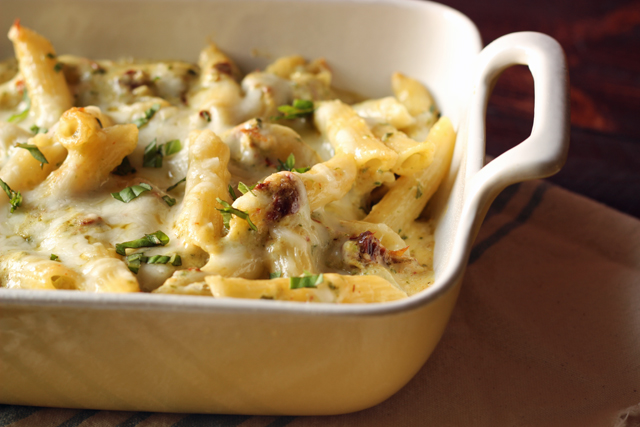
544 152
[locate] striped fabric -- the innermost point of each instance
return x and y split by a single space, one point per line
545 332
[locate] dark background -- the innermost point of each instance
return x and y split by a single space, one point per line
601 40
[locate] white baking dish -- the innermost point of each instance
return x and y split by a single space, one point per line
191 354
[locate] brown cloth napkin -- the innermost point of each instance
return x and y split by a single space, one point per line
546 332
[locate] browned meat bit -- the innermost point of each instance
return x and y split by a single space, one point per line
286 200
370 248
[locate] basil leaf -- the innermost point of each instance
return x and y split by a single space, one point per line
135 260
148 241
53 257
35 152
128 194
124 168
244 188
176 184
275 275
175 260
37 129
301 108
229 210
57 67
148 115
306 281
158 259
171 147
232 193
22 115
15 198
152 156
169 200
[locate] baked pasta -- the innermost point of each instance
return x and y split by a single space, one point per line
172 177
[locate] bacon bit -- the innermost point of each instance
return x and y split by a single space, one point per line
369 245
399 252
89 221
223 68
285 200
129 72
16 24
261 186
269 162
20 85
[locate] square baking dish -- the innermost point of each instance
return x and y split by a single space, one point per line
172 353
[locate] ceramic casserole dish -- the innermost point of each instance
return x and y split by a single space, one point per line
176 353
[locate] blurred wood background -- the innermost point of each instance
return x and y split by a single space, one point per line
601 40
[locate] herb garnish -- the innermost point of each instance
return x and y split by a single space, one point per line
54 257
57 67
229 210
154 153
176 184
15 198
37 129
135 260
149 240
205 115
128 194
35 152
22 115
50 55
288 165
306 281
275 275
301 108
232 193
148 115
124 168
418 191
244 188
169 200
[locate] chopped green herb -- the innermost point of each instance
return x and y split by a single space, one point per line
57 67
244 188
128 194
176 184
15 198
169 200
301 108
99 123
135 260
53 257
275 275
35 152
259 122
386 136
377 183
148 115
37 129
229 210
418 191
232 193
149 240
171 147
124 168
288 165
154 153
50 55
22 115
306 281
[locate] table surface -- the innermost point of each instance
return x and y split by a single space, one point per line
601 41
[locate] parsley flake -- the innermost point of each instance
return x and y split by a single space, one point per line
275 275
306 281
128 194
149 240
37 129
301 108
15 198
54 257
177 183
169 200
229 210
57 67
418 191
148 115
124 168
154 153
35 152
